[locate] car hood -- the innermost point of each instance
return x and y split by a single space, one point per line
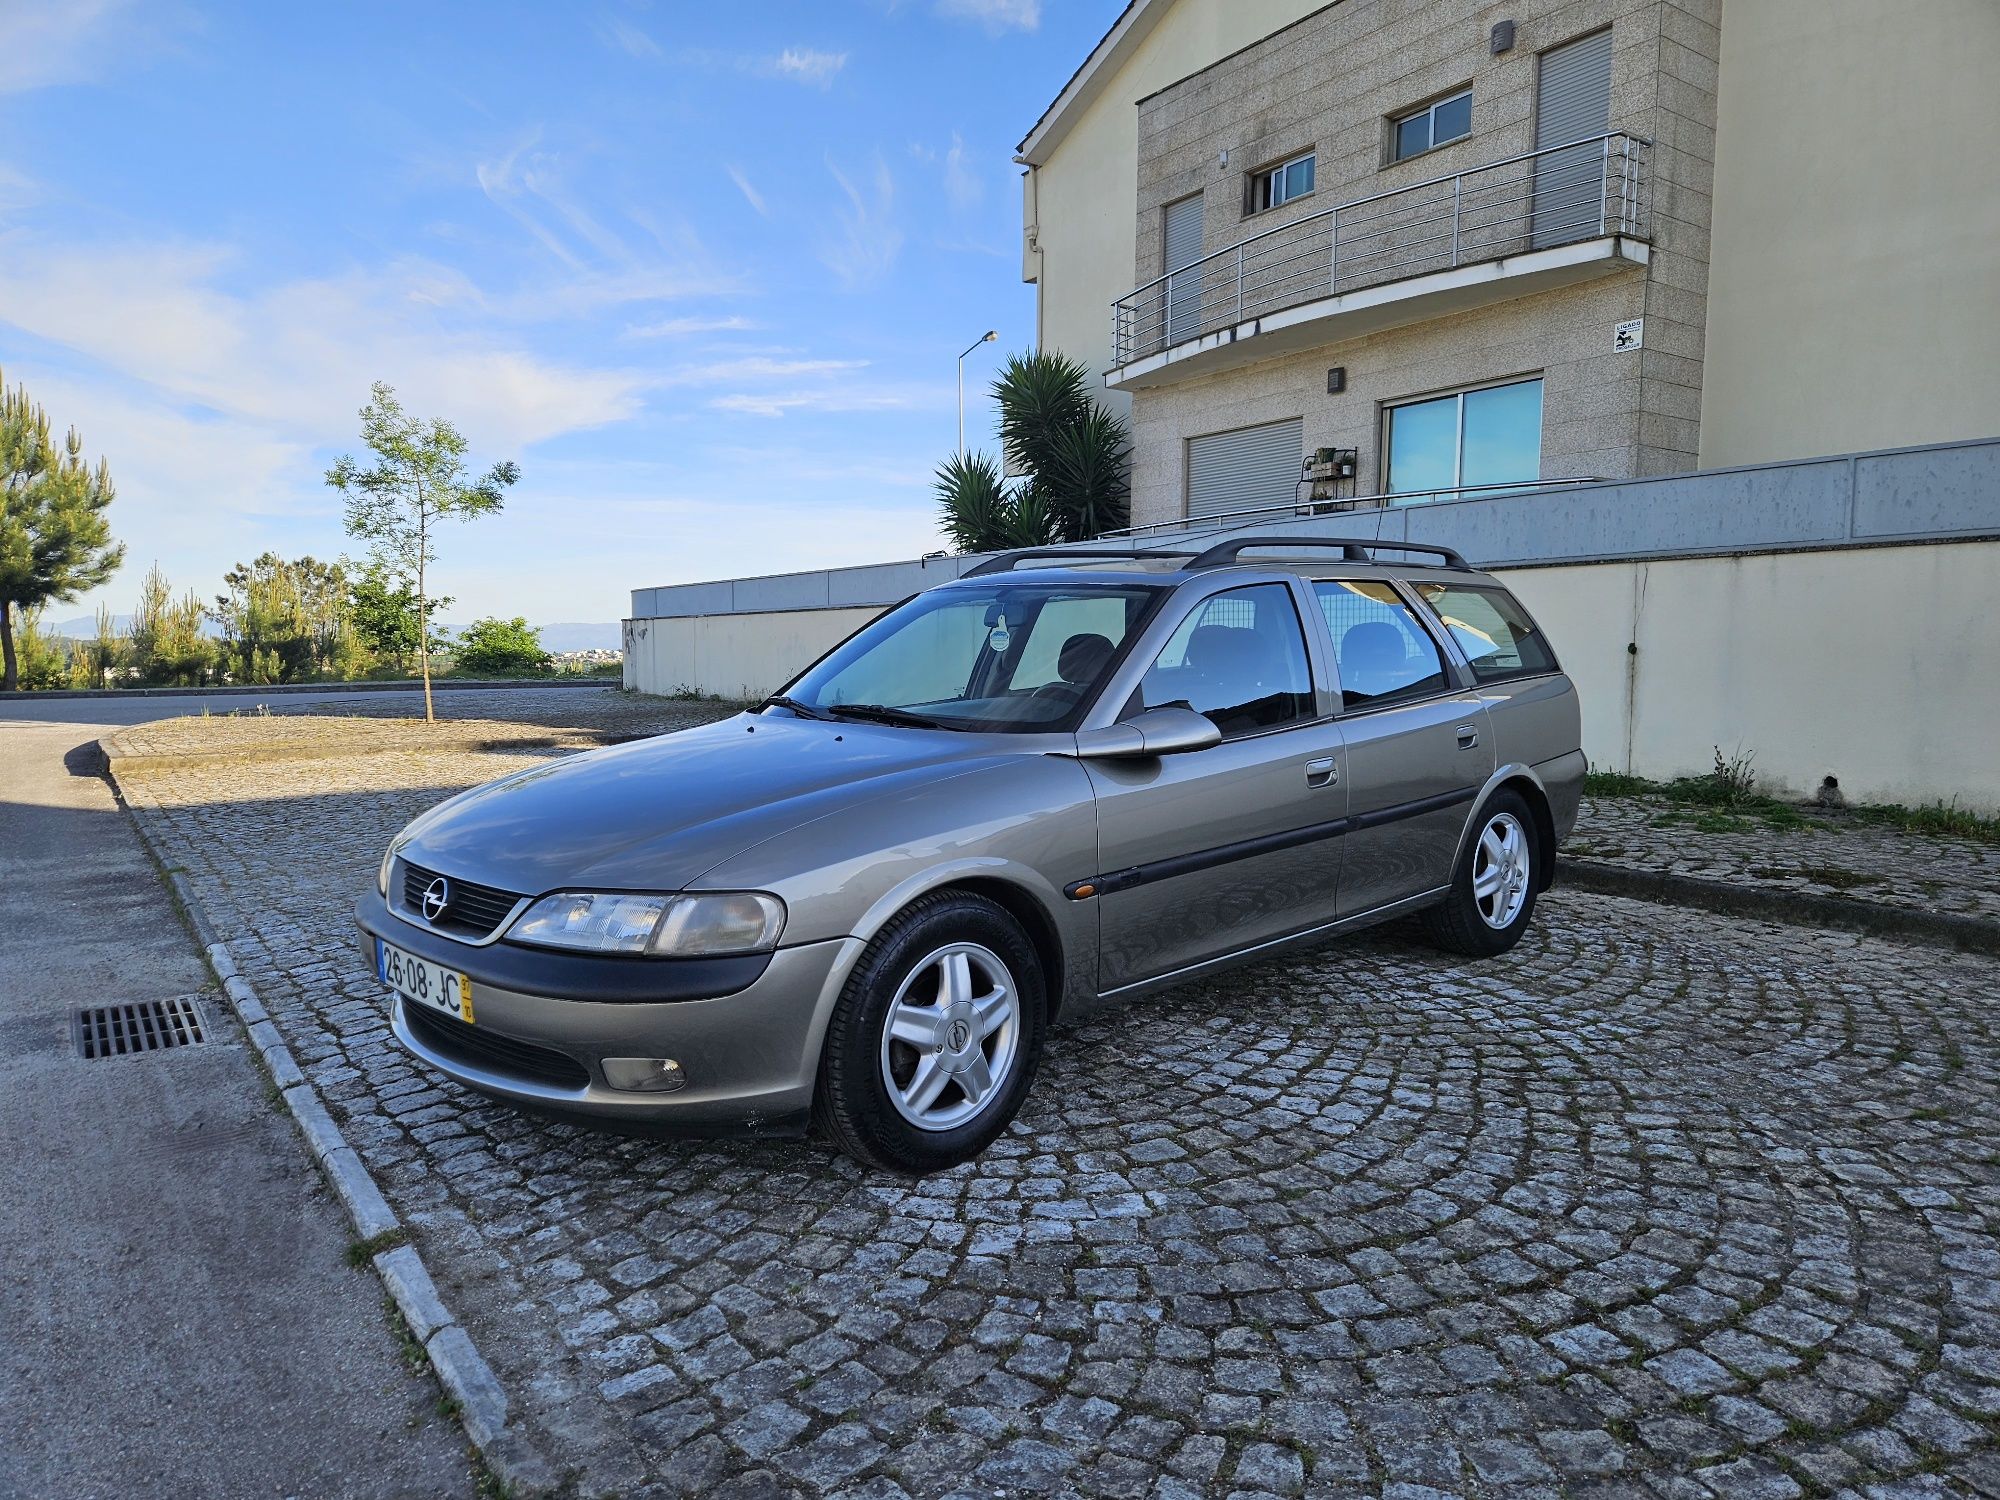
657 813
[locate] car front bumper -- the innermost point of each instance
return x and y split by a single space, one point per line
750 1055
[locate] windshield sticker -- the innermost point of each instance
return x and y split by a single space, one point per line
999 638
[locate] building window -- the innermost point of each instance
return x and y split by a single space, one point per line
1282 183
1432 126
1461 442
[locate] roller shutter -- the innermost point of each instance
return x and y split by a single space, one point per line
1183 247
1251 466
1572 102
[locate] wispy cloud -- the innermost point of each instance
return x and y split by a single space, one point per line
603 265
692 327
805 65
758 367
869 240
42 44
832 399
995 15
750 194
622 35
961 184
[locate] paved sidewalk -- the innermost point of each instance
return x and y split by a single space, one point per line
1663 1204
177 1316
1825 855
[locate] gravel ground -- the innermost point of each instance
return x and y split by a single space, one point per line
1663 1203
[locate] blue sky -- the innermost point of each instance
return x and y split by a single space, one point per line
703 270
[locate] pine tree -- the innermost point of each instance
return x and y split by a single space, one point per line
55 541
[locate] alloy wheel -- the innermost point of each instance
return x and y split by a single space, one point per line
951 1037
1502 866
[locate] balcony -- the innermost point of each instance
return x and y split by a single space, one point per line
1503 230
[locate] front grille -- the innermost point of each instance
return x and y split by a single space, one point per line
481 1048
470 909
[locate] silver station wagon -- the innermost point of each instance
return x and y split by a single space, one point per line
1068 777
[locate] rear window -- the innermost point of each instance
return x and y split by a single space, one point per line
1491 628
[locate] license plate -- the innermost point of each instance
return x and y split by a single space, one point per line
422 982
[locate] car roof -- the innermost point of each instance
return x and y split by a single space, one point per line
1155 572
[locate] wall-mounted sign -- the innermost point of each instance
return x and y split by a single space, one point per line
1630 334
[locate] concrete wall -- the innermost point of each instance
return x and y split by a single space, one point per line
1081 198
1856 245
1832 617
1608 414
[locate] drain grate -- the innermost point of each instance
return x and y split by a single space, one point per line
150 1026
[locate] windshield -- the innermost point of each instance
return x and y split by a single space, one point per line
1013 657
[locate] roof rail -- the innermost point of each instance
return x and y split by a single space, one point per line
1354 549
1005 561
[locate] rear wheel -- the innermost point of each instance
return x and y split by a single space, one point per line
935 1039
1493 889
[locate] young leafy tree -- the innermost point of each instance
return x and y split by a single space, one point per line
55 541
417 482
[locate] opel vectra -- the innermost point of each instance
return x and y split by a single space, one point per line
1065 778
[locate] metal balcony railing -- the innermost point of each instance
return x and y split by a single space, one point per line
1581 191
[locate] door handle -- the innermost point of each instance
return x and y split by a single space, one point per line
1321 772
1468 737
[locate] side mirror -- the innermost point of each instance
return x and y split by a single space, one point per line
1157 731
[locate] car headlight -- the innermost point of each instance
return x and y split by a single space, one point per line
607 922
388 862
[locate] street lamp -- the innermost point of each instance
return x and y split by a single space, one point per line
985 338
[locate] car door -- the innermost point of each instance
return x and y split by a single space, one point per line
1217 850
1418 743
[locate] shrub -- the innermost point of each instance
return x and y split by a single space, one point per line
497 648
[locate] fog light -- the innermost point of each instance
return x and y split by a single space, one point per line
644 1075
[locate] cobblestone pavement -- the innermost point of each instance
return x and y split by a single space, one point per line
1662 1204
302 725
1825 855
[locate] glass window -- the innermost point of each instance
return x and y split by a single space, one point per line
1498 638
1282 183
1462 441
1383 653
1434 125
995 655
1239 658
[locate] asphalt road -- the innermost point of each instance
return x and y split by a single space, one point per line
177 1315
116 710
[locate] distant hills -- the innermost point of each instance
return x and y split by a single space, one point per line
564 635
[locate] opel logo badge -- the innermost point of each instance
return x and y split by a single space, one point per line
437 895
958 1035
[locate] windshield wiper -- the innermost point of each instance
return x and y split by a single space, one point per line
803 710
881 713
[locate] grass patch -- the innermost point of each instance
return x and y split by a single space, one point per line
363 1252
1725 799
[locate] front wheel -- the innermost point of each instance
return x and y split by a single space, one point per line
1493 889
935 1038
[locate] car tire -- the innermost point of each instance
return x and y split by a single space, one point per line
1492 896
950 976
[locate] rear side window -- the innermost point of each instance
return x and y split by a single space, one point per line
1384 655
1239 658
1492 629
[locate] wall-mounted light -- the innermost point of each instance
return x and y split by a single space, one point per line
1336 380
1503 37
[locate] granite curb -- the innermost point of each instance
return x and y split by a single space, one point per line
1795 908
475 1390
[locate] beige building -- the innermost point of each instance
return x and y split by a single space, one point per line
1444 248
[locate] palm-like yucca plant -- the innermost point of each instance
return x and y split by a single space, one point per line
979 512
1073 457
